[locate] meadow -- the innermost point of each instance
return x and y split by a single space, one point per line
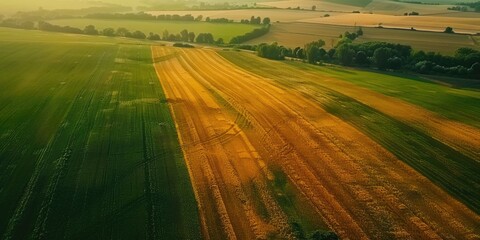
219 30
88 146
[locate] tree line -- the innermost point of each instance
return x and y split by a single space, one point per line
145 16
174 17
379 55
258 32
183 36
464 7
256 20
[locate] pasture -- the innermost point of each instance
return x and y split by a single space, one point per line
219 30
87 145
298 34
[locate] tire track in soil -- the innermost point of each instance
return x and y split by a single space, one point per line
221 160
360 189
61 165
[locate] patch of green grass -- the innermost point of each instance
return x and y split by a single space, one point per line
88 148
301 219
219 30
446 167
457 104
462 105
358 3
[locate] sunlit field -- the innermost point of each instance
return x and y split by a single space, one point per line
301 119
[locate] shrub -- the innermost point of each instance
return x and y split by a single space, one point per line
183 45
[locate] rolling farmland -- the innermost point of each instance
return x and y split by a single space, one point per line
469 25
115 138
238 127
219 30
87 145
298 34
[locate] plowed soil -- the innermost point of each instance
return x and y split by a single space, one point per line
233 123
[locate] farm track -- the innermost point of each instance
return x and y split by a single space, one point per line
360 189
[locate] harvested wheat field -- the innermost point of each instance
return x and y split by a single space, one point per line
236 127
429 23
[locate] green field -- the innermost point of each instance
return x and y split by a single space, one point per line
298 34
219 30
89 149
87 146
455 172
358 3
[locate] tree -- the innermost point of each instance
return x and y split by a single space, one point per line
250 35
165 35
381 56
300 53
139 35
471 59
153 37
475 68
351 36
219 41
423 67
109 32
448 30
360 32
205 38
272 51
312 51
314 8
199 18
90 30
266 21
191 37
331 53
207 19
464 51
122 32
345 54
394 63
184 34
361 58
